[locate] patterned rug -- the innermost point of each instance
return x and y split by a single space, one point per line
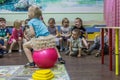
18 72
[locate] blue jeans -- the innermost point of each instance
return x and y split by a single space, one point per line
93 47
2 43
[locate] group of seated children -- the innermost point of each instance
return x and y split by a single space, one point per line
65 35
70 39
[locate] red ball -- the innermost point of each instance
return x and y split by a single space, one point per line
45 58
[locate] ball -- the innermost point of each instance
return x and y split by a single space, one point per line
45 58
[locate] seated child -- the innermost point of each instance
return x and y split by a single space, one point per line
65 33
106 47
41 33
83 35
97 44
53 29
4 35
75 44
16 36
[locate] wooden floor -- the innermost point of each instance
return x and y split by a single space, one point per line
84 68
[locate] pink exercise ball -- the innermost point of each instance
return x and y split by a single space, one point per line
45 58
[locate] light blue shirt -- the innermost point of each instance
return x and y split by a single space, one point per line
39 27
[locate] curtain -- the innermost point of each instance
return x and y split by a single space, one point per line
112 12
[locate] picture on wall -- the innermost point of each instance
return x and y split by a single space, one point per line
53 6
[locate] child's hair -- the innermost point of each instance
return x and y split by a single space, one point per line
27 20
76 31
106 30
17 24
65 19
80 21
2 19
52 19
35 11
26 27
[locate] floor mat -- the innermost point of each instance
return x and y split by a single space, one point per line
18 72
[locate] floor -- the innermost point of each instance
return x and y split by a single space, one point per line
85 68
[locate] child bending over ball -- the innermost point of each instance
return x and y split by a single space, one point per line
41 33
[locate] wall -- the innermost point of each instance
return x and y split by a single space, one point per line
88 18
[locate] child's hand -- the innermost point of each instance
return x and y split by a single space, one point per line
70 53
58 35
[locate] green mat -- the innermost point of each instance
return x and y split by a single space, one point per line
18 72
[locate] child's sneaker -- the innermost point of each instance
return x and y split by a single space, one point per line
67 52
31 65
66 48
20 50
5 52
61 60
97 54
9 51
61 49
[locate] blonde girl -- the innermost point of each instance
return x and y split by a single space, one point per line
17 36
65 32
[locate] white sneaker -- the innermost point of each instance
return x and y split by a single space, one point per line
9 51
20 50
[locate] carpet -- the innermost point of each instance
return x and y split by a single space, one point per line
18 72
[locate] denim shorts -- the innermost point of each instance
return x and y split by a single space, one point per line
2 42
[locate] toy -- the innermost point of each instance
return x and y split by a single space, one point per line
45 58
45 74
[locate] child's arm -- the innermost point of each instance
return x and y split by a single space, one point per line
80 47
58 34
86 35
70 48
25 36
32 31
79 53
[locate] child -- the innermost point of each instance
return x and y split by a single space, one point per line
65 32
17 36
106 50
54 31
95 45
4 35
39 30
83 36
26 31
75 44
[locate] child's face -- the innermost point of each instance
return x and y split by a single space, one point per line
74 35
51 23
65 23
2 24
78 23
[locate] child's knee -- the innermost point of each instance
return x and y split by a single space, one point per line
14 41
27 45
20 38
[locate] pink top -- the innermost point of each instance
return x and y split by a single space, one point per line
16 34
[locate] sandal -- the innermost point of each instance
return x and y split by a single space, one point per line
79 56
61 60
30 65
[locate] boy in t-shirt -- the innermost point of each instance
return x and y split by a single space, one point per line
4 34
